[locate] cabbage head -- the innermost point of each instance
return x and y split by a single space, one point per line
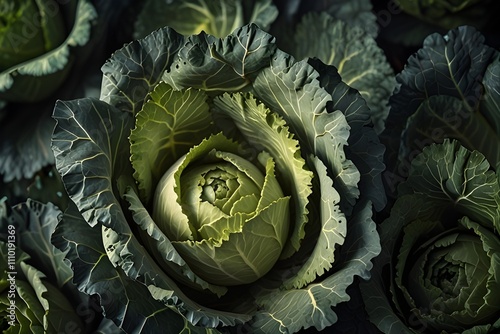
37 38
440 262
218 185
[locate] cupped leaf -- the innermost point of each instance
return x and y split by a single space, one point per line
255 121
355 54
168 125
292 310
218 18
247 254
168 212
134 70
292 90
228 64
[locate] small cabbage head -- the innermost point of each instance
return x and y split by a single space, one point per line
36 38
439 271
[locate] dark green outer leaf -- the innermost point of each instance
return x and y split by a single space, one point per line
228 64
356 55
451 176
25 145
127 302
288 311
35 223
91 150
364 148
133 71
452 65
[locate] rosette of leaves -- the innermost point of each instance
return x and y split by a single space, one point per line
220 183
448 89
36 290
439 266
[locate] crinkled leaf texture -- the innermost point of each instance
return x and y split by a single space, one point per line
448 89
299 113
450 197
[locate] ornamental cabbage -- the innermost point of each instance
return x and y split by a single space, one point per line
215 183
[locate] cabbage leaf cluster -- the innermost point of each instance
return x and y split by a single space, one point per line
216 182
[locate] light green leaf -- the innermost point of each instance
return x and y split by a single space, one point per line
292 90
228 64
162 248
245 256
332 233
167 206
218 18
167 126
134 70
288 311
355 54
255 121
